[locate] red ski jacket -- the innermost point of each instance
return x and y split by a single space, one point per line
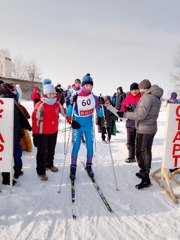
45 118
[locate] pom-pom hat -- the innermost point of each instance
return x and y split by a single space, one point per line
87 79
48 88
47 81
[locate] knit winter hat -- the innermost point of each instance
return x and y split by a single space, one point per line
47 81
87 80
8 91
134 86
144 84
174 95
48 87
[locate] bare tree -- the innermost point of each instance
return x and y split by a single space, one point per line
20 71
27 71
33 72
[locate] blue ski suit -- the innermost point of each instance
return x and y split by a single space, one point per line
83 114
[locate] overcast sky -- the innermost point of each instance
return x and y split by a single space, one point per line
117 41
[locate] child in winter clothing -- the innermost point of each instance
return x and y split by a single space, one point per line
76 87
107 121
173 98
36 95
45 120
60 94
99 119
70 92
84 104
113 100
129 105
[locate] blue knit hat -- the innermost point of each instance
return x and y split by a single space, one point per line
47 81
87 80
48 87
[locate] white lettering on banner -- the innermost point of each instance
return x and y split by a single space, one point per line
6 134
86 105
172 139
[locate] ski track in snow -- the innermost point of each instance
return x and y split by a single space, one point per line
36 211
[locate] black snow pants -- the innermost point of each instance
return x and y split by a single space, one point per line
46 144
143 148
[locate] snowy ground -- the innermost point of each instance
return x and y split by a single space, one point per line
36 211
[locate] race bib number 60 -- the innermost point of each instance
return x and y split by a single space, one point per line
86 105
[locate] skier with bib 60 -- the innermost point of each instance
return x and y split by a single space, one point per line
85 102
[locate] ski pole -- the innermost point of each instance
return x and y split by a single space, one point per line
65 136
117 189
62 130
65 156
94 133
1 179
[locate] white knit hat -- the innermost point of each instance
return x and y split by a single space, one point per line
48 89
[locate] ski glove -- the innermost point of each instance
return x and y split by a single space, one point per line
74 99
120 114
128 108
75 124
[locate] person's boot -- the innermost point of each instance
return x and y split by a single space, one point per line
89 170
52 169
139 175
6 179
17 171
43 177
72 172
146 182
131 157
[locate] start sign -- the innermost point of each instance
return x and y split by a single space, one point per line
6 134
172 137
